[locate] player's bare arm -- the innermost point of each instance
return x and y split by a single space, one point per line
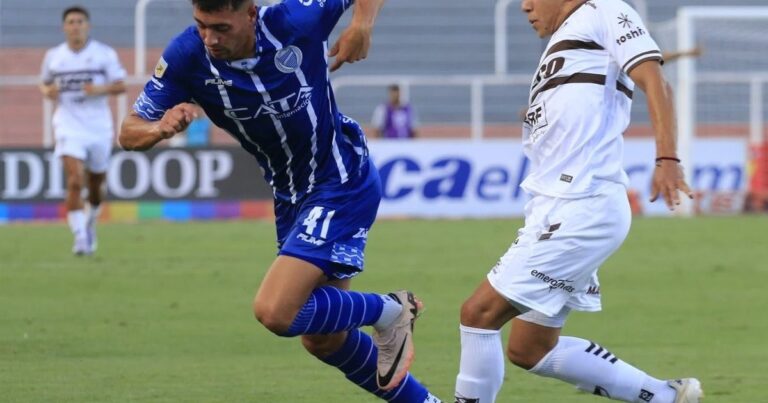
139 134
354 42
674 55
668 177
114 88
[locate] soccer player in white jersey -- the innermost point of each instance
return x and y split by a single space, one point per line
578 214
80 75
263 75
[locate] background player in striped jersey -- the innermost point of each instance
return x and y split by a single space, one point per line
579 213
262 75
79 75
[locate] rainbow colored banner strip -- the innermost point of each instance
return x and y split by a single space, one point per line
131 211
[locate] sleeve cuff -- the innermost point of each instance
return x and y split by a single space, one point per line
641 58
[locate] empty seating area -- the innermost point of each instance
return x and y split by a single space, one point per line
424 37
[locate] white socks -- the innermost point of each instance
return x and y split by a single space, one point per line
93 215
587 365
481 369
596 370
77 222
389 314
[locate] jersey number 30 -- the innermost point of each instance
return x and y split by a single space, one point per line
548 70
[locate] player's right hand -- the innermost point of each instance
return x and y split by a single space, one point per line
177 119
352 46
51 92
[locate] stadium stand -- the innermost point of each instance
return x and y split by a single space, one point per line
427 37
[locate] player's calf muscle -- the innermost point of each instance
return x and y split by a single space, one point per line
322 346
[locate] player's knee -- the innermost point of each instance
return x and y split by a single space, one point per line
94 195
272 318
475 313
94 199
468 314
526 356
521 358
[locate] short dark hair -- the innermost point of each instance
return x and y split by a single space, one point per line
75 9
217 5
393 87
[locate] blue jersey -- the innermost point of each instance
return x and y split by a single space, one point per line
279 104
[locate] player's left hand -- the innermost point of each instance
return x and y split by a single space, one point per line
352 46
90 90
668 180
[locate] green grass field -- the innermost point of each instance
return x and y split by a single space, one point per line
163 312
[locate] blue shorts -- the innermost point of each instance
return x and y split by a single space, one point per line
329 227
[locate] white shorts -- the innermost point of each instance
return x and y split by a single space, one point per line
554 261
556 321
93 151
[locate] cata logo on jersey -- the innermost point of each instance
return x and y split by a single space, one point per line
280 108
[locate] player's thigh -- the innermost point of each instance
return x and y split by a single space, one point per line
289 281
534 330
70 146
486 308
286 287
73 170
558 251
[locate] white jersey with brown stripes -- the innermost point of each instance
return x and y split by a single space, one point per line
77 114
580 100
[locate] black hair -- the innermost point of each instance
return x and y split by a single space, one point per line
208 6
75 9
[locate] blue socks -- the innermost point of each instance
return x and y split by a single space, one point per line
331 310
357 360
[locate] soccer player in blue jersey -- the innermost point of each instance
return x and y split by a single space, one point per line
262 74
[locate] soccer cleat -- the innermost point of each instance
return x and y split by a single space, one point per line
81 247
432 399
395 344
688 390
